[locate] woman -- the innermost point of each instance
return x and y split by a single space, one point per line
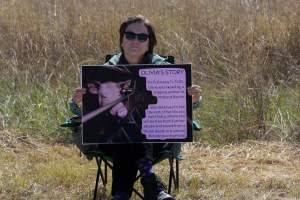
137 40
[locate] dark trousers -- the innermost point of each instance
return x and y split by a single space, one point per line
125 157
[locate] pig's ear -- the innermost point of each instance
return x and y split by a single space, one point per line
92 88
125 84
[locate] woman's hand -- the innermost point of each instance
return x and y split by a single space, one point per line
194 91
77 96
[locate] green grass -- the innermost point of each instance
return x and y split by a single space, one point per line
231 115
244 55
34 107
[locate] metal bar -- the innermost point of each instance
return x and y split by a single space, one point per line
138 177
107 163
138 193
99 162
171 175
105 173
97 177
177 175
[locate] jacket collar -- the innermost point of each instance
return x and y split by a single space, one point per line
149 59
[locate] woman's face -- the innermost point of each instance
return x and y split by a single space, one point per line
134 48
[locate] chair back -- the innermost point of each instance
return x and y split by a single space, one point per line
169 59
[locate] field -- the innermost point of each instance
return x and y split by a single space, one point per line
245 55
249 170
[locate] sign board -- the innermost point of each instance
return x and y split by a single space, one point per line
136 103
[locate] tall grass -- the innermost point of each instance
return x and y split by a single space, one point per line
245 54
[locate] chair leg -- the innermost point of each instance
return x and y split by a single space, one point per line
171 175
105 173
99 173
177 175
97 177
138 193
103 177
134 190
106 166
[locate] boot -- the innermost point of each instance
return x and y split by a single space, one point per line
120 196
154 188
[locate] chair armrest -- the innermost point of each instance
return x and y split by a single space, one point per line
196 126
74 121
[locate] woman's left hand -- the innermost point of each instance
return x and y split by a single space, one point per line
194 91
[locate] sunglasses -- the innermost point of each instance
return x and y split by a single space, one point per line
141 37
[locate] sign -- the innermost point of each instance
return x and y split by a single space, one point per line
136 103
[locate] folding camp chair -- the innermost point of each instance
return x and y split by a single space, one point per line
164 154
170 151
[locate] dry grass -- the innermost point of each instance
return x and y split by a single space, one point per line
245 55
251 170
33 170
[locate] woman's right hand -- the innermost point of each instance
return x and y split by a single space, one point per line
77 96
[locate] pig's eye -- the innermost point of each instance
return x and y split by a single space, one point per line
91 86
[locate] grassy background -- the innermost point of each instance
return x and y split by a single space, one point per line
245 55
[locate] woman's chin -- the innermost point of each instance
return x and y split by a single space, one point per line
135 54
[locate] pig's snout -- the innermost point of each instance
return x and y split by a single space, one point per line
119 110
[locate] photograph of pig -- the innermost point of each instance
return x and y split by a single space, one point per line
114 105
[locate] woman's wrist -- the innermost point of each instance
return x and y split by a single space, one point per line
75 108
197 103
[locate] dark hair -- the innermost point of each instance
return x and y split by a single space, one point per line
146 22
